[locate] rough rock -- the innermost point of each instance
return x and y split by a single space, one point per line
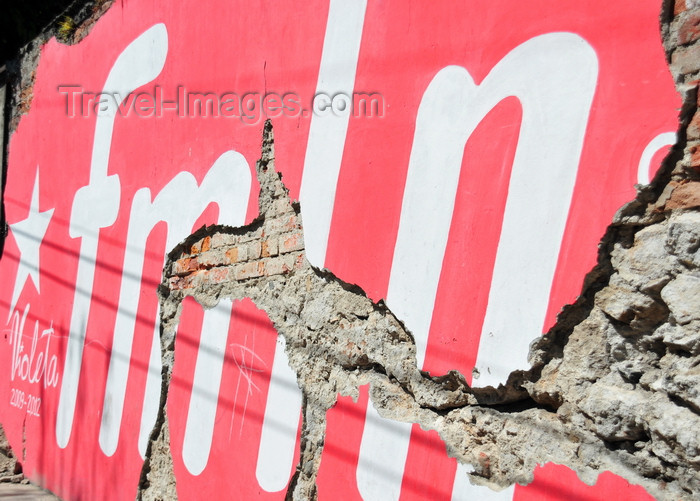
613 387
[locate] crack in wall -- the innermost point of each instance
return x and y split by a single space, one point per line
601 395
613 385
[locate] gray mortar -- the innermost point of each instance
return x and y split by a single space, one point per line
10 468
613 387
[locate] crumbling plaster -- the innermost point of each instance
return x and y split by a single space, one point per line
613 386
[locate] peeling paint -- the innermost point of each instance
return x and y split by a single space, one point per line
612 386
614 390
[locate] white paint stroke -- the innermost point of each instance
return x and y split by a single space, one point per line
663 139
327 133
179 204
324 154
280 424
554 77
96 205
201 413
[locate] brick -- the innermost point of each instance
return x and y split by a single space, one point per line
185 266
223 240
252 269
695 158
269 248
693 149
232 255
689 29
253 250
255 234
218 275
276 266
205 260
206 244
693 131
679 6
281 224
684 196
291 242
188 282
685 60
284 264
293 223
290 260
209 259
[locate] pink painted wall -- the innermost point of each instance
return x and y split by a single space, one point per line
510 133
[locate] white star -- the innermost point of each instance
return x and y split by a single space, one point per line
29 234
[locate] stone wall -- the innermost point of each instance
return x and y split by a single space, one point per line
613 386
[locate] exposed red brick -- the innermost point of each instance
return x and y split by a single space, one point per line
252 269
186 282
265 249
290 243
684 196
218 275
253 250
283 223
679 6
275 266
693 130
232 255
689 30
185 266
695 160
224 240
292 223
210 259
206 244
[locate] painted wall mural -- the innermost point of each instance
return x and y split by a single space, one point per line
461 160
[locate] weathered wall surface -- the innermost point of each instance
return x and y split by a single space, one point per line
472 205
613 386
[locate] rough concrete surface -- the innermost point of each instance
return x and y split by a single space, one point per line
10 468
613 386
13 484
